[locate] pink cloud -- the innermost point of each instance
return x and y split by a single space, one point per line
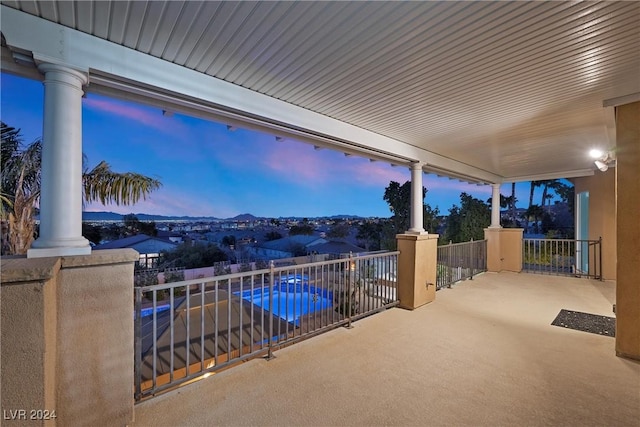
302 163
298 162
170 202
377 173
153 119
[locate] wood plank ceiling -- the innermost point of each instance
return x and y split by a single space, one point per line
514 88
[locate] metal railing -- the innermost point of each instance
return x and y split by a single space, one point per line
187 330
563 257
460 261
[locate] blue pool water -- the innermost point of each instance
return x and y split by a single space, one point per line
149 310
291 300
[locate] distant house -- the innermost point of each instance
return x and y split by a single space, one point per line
287 247
172 236
337 247
148 247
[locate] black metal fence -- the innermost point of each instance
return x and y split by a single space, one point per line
563 257
460 261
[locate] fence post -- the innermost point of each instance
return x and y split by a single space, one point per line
473 260
600 260
350 281
271 312
138 344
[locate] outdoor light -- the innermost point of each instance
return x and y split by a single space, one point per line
596 154
603 159
601 165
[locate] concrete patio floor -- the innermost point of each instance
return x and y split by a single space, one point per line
483 354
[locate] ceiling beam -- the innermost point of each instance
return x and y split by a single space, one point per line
555 175
621 100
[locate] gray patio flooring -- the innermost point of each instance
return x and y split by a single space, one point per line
483 354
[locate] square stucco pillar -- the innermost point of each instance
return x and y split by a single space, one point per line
68 338
504 249
628 230
95 348
417 269
28 339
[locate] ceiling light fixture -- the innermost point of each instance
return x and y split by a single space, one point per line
596 154
601 165
603 160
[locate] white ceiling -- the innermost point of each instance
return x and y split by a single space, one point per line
513 88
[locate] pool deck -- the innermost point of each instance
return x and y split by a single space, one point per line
483 354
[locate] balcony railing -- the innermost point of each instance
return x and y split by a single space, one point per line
186 330
564 257
460 261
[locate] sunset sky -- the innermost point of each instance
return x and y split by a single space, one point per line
207 170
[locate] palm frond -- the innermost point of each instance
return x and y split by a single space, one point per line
106 186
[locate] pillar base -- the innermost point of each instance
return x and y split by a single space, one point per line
62 251
504 249
417 232
417 269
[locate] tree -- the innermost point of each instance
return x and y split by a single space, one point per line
229 240
93 233
133 226
534 213
398 197
468 221
21 179
339 230
506 202
303 229
567 194
272 235
534 185
370 233
454 224
193 255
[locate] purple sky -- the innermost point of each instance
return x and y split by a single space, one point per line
207 170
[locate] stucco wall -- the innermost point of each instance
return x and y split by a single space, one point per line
67 338
28 339
602 215
96 339
628 230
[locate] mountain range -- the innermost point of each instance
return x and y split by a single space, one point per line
112 216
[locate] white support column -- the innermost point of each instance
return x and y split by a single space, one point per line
417 201
495 206
61 189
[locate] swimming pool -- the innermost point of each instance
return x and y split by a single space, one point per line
291 301
159 309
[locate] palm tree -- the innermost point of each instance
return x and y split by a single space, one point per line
513 203
534 213
534 184
20 178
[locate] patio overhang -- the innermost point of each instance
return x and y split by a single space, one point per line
483 92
